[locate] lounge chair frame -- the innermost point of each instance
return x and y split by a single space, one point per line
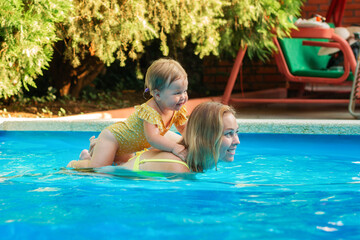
316 33
335 12
355 91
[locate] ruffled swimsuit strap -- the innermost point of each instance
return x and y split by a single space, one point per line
180 117
147 113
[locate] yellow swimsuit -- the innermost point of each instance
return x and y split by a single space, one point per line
130 133
138 161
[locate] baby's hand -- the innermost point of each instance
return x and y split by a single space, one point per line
180 151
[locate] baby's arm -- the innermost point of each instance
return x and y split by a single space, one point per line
162 143
181 128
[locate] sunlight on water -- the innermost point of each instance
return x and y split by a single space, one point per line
278 187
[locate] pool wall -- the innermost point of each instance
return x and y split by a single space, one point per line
338 127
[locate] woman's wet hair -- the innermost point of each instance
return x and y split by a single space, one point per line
203 135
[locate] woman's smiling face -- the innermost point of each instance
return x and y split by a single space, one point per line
230 138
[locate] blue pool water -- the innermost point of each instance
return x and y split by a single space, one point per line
278 187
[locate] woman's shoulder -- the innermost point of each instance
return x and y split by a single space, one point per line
158 154
173 162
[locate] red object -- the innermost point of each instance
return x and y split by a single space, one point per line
234 72
349 64
336 12
343 45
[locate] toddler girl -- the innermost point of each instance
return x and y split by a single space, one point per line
167 82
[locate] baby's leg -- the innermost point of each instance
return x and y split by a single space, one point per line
105 149
101 153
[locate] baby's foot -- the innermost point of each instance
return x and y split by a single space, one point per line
84 155
72 164
79 164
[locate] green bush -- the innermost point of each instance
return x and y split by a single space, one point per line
27 34
118 29
97 32
254 23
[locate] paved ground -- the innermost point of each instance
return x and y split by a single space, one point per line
254 111
294 111
302 110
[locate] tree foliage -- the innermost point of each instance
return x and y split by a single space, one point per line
27 34
116 29
254 23
96 32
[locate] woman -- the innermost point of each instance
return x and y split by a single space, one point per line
210 136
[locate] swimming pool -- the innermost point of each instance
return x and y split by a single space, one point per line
280 186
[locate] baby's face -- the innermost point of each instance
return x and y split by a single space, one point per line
174 96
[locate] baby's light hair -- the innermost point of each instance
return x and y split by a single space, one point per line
203 135
162 73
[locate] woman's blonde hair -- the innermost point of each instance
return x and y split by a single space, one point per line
162 73
203 134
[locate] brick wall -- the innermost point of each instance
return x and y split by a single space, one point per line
351 13
257 75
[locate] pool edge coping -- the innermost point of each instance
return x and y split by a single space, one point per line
292 126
